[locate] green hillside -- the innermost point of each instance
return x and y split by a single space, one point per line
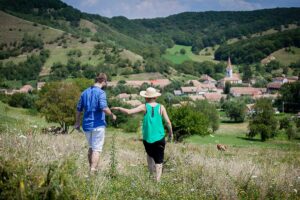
174 54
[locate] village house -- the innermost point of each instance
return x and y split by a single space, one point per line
207 79
233 78
138 83
213 97
177 92
274 86
246 91
189 90
203 87
26 89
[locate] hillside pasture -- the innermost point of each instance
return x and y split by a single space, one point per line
173 54
285 57
12 29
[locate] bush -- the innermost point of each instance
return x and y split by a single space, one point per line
291 131
132 125
186 121
22 100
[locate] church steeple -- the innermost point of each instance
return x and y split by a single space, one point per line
229 68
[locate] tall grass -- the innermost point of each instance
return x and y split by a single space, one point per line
40 166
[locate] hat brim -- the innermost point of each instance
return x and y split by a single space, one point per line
143 94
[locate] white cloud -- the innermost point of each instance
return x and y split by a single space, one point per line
88 3
238 5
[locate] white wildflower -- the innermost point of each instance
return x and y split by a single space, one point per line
34 126
211 135
172 169
253 176
295 190
23 136
192 190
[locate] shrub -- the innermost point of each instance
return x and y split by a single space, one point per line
186 121
132 125
21 100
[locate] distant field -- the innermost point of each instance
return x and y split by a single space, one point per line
173 54
234 135
287 58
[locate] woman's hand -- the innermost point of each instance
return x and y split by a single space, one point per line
115 108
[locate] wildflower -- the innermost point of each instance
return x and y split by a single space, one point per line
295 190
211 135
172 169
23 136
34 126
253 176
192 190
22 186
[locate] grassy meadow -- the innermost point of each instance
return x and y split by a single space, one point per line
173 54
36 165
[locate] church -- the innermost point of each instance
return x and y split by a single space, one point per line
233 78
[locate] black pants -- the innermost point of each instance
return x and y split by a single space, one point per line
156 150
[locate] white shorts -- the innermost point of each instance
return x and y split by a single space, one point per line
95 138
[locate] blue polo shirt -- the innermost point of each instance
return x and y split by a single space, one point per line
92 101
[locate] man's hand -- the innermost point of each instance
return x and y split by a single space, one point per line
114 117
77 126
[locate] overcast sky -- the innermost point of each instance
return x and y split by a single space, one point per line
133 9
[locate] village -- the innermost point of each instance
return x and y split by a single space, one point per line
206 88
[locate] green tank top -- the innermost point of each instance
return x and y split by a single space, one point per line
153 129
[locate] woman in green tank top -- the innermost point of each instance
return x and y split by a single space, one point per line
153 129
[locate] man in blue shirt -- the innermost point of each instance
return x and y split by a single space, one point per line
93 102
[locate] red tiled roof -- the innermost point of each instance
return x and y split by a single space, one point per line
189 89
205 77
213 96
236 91
274 85
26 89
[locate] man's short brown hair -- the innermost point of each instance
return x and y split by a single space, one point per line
101 77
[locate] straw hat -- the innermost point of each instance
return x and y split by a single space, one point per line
150 93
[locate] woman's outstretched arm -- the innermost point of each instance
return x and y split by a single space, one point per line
140 108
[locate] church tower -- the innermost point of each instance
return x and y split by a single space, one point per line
229 68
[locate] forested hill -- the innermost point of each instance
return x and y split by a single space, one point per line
201 29
196 29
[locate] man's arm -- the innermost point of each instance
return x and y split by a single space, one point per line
77 123
108 112
167 120
140 108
